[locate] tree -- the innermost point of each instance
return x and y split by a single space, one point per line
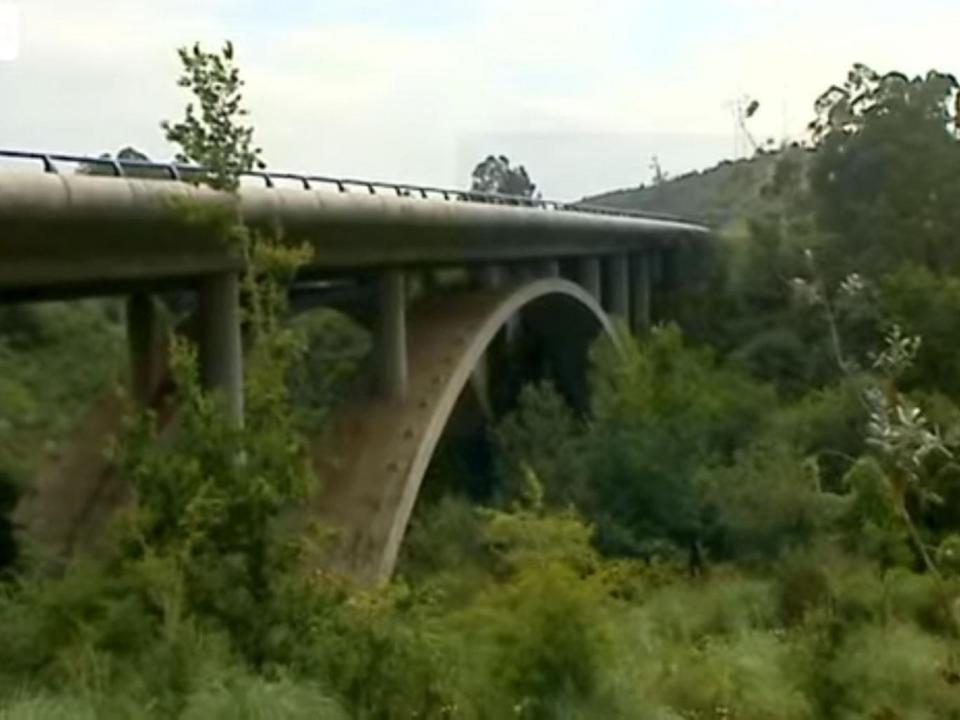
495 175
128 154
885 177
660 175
214 138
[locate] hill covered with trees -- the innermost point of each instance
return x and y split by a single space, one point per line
717 196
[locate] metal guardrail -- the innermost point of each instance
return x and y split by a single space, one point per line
184 172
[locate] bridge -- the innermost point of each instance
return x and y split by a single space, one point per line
528 273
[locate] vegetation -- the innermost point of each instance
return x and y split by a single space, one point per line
722 197
215 138
758 517
495 174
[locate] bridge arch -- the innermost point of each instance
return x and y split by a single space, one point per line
373 461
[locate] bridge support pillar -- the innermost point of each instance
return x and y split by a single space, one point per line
143 341
640 293
428 281
221 345
547 269
491 277
390 342
657 295
618 290
588 275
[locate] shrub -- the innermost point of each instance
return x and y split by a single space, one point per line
894 671
765 502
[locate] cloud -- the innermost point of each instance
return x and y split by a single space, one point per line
410 90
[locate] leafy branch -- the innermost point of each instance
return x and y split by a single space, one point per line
212 133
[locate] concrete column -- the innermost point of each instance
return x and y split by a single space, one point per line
390 341
428 282
640 293
588 275
143 341
547 269
618 280
221 346
491 277
657 295
522 272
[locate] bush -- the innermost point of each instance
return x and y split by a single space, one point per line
723 606
894 671
254 698
660 412
767 501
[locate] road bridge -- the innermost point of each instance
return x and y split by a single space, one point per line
550 272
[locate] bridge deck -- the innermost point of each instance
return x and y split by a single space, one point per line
60 231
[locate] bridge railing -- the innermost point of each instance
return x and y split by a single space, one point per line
184 172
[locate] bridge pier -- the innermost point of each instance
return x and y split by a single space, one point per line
588 275
668 282
657 300
618 286
547 269
640 293
490 276
143 343
220 342
390 339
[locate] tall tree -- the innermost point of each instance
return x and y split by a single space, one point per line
886 174
215 137
495 175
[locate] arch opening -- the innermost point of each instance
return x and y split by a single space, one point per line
386 447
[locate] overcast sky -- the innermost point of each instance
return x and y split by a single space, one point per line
582 93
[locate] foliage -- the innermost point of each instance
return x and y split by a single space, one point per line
755 520
926 306
885 172
721 196
211 496
543 436
495 175
333 354
45 391
660 412
125 155
765 502
212 135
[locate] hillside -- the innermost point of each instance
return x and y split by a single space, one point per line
716 196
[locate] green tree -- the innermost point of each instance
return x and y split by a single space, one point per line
886 173
214 135
495 175
126 153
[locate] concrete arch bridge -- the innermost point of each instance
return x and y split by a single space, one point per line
540 275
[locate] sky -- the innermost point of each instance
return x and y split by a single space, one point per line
583 94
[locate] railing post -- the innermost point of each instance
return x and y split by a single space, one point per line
390 343
143 335
640 293
618 290
221 346
588 275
